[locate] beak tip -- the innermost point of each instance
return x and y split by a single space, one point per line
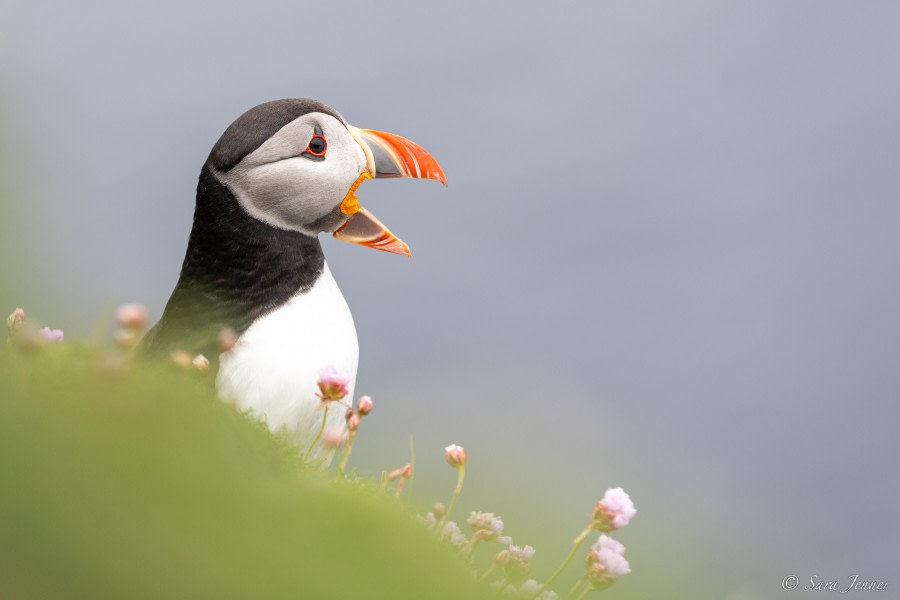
438 175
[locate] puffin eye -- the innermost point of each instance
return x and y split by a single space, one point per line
317 146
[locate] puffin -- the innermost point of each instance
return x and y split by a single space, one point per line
281 174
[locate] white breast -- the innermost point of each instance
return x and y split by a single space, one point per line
272 370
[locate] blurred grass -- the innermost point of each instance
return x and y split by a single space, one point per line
140 484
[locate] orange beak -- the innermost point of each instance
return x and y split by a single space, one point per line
387 155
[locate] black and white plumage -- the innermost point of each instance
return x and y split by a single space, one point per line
282 173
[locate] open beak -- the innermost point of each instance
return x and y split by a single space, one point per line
387 155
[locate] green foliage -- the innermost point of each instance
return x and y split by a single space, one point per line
137 483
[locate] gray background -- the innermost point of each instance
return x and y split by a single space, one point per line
667 258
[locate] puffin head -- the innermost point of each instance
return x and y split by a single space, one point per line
296 165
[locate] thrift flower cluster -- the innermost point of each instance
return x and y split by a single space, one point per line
604 562
516 561
614 511
487 527
51 335
133 320
332 385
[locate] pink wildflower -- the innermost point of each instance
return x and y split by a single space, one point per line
487 527
334 438
516 561
51 335
454 535
614 511
605 562
133 316
332 384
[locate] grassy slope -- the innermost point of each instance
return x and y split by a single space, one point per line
140 485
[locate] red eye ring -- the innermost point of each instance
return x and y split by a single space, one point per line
318 145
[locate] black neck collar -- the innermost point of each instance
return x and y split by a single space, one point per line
236 269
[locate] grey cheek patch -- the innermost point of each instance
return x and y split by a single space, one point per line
267 208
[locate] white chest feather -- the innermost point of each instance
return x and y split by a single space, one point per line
273 369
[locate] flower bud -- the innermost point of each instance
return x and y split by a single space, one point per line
227 339
439 510
352 420
403 472
455 455
364 406
182 359
133 316
200 363
334 438
15 321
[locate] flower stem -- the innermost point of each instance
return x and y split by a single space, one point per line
576 543
490 570
412 464
318 435
401 483
345 456
461 474
470 551
575 587
587 590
